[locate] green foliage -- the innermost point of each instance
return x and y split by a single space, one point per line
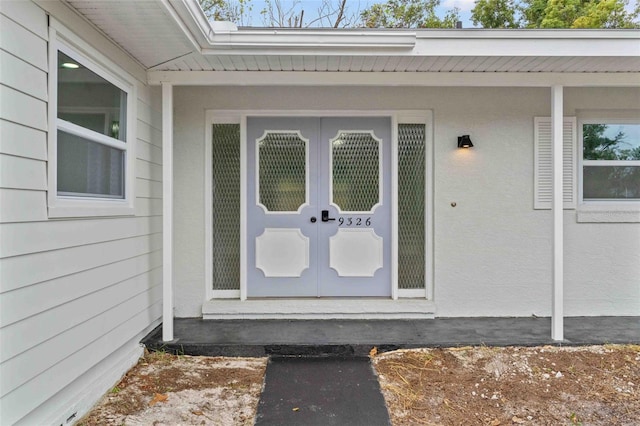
604 14
561 13
408 14
555 14
236 11
532 12
609 182
598 146
422 14
494 14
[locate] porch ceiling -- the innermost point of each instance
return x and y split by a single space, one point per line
174 35
145 29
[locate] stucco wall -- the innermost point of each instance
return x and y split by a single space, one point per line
602 260
492 252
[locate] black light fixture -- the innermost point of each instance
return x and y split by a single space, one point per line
464 141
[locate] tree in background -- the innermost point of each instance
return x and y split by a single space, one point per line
600 146
278 14
554 14
495 14
334 14
237 11
605 14
422 14
408 14
609 182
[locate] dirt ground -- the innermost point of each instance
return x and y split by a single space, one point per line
165 389
595 385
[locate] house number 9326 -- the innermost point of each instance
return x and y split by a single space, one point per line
354 221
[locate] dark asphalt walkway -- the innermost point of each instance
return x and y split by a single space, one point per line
322 392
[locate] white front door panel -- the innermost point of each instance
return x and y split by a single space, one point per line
318 207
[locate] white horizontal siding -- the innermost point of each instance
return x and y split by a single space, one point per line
66 327
149 116
73 291
22 141
19 271
149 152
149 207
55 292
23 76
88 388
148 188
22 173
30 238
149 134
147 170
22 206
146 96
22 43
22 109
112 332
26 12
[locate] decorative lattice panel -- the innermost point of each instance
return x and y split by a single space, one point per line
356 171
411 206
282 171
226 206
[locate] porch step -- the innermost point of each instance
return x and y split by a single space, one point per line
338 308
286 337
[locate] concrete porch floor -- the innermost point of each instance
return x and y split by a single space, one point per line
353 337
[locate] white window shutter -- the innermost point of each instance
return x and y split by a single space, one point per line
543 167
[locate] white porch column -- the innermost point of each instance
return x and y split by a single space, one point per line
167 212
557 305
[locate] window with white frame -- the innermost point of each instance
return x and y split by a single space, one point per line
610 160
91 145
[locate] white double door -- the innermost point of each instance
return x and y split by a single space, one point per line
318 208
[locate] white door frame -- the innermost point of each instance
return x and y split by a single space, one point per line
397 117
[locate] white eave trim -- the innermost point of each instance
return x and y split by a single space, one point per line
526 43
224 38
219 37
225 35
285 39
412 79
528 34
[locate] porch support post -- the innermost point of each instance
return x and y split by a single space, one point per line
557 306
167 212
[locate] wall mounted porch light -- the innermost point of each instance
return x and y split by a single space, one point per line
464 141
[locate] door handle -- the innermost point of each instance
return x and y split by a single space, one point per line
325 216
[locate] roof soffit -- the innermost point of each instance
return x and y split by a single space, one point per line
192 39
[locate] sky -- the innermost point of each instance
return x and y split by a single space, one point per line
311 6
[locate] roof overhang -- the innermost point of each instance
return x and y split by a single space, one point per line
175 41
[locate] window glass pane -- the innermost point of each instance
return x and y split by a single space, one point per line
89 169
90 101
226 200
355 164
282 171
611 182
611 141
411 206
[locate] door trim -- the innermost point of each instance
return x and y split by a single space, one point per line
397 117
